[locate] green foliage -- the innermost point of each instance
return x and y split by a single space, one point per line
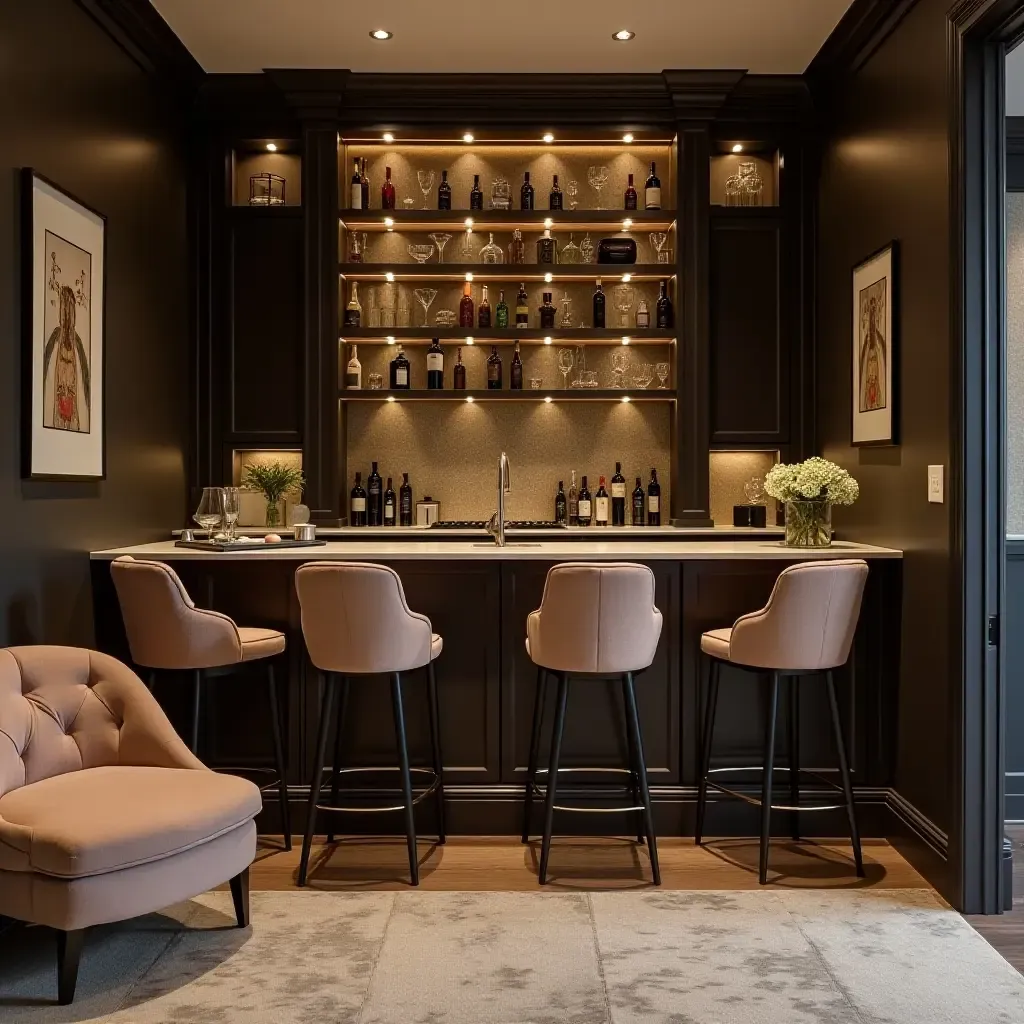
273 479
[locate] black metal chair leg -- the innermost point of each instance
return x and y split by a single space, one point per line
634 762
794 753
151 680
279 761
339 731
556 753
318 772
705 749
69 955
240 898
403 762
435 750
197 685
766 784
535 731
641 768
844 769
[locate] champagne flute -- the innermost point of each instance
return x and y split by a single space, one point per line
210 513
426 180
565 364
230 511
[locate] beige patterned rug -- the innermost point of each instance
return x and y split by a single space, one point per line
797 957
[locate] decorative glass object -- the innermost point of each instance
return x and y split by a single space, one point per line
426 183
566 320
809 523
586 250
425 297
662 371
570 253
620 367
501 194
658 240
230 511
210 513
588 379
408 203
375 381
356 246
597 176
643 376
565 362
753 489
492 253
266 190
516 248
572 190
387 294
440 239
466 254
536 383
745 187
420 252
404 317
580 362
446 318
665 255
622 298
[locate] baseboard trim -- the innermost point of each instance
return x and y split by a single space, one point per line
920 824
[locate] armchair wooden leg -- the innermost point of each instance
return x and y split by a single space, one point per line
69 954
240 897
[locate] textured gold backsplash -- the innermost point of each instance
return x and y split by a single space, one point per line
729 472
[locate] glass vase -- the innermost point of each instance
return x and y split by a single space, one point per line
808 523
273 513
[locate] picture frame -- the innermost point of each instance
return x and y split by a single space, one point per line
875 349
64 333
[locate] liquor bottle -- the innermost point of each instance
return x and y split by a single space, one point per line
561 510
555 197
483 316
476 197
400 375
466 306
516 373
373 490
387 191
654 500
599 304
389 504
501 311
444 193
354 372
601 505
643 314
547 312
354 310
652 191
522 308
618 497
357 506
405 502
574 500
494 370
459 373
629 200
664 314
365 182
517 247
584 508
638 503
546 248
526 194
357 187
435 365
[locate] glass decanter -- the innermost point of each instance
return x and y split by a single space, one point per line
492 253
570 253
745 187
501 194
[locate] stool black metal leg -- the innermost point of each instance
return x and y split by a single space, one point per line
535 730
844 769
705 748
318 771
403 762
197 685
635 765
151 680
339 732
556 753
794 752
435 749
279 761
766 784
641 767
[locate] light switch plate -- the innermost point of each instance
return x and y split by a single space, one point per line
936 491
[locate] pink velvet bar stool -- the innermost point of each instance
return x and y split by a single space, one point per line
804 632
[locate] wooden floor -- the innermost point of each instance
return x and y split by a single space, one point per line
1006 931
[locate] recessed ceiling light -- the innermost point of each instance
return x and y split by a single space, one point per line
627 224
625 398
625 341
548 222
469 223
467 137
388 137
271 147
628 137
547 398
380 34
623 35
389 277
547 341
389 222
391 398
548 137
626 278
737 148
469 341
549 277
469 398
391 339
469 276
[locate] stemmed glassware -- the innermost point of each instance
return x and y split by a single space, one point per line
440 239
426 180
598 178
467 246
210 513
658 240
581 368
662 370
620 364
622 298
572 190
565 362
230 511
425 297
420 252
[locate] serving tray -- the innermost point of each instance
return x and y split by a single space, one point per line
249 545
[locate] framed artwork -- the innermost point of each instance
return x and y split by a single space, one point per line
63 310
875 380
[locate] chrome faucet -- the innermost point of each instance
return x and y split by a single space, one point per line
496 526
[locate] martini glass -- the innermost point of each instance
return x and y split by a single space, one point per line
622 298
598 178
425 297
662 371
426 181
440 239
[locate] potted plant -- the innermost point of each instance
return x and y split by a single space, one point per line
273 480
808 490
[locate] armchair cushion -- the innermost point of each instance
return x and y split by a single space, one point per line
260 643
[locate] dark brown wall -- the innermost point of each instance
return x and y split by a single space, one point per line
77 109
884 176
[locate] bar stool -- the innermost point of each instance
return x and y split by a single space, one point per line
356 622
805 629
595 621
168 633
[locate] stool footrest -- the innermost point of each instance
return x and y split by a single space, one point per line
432 787
756 802
541 791
242 770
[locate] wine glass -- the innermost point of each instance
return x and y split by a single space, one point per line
622 298
426 180
662 370
210 513
440 239
598 178
572 190
658 240
425 297
620 365
565 364
230 511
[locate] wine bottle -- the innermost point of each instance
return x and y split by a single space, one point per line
555 197
517 247
561 510
638 503
483 316
466 306
400 376
618 497
599 304
654 500
664 314
629 200
389 504
444 193
373 489
546 247
526 194
522 308
357 506
354 372
643 314
652 191
601 504
574 500
501 311
476 197
584 508
547 312
365 182
354 310
357 187
516 373
435 365
387 191
405 502
494 370
459 373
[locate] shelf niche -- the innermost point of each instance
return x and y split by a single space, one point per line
725 165
253 157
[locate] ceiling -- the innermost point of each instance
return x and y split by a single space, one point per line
761 36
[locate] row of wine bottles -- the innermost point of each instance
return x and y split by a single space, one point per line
374 505
604 508
400 370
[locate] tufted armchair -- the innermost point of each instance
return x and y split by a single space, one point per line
104 812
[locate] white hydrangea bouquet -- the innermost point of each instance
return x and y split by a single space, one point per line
809 489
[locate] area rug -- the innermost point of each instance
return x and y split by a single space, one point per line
797 957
